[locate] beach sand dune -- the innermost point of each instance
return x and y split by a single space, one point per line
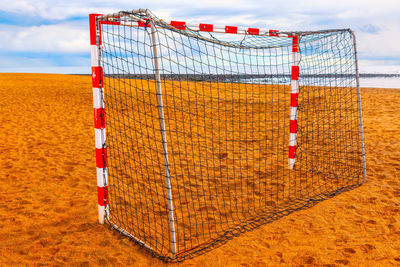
48 199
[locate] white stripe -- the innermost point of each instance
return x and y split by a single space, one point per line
294 86
95 55
130 23
293 113
291 163
292 139
98 101
101 174
102 213
296 58
100 137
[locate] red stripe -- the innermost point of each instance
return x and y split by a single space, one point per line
231 29
293 126
92 27
253 31
102 195
292 152
206 27
181 25
142 24
273 33
99 118
97 77
295 72
101 160
293 99
295 43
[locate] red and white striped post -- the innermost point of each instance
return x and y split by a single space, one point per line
99 118
294 86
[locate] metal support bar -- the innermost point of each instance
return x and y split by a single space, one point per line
163 136
359 106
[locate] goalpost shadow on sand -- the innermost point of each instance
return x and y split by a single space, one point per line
215 130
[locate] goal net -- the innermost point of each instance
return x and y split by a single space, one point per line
212 131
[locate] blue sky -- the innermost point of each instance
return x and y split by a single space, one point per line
52 36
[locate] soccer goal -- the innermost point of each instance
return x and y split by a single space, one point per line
215 130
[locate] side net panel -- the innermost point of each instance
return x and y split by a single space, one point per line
226 104
329 155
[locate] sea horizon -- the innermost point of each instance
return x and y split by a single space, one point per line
367 80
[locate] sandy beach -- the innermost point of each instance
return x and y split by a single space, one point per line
49 200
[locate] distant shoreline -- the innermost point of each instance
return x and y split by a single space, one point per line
374 75
362 75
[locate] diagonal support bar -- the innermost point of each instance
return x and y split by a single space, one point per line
163 136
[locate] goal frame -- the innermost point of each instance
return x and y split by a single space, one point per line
95 22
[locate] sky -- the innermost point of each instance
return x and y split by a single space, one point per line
52 36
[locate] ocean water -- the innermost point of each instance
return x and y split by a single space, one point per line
380 82
369 81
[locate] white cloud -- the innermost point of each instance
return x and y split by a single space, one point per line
376 23
378 66
384 43
48 9
60 38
